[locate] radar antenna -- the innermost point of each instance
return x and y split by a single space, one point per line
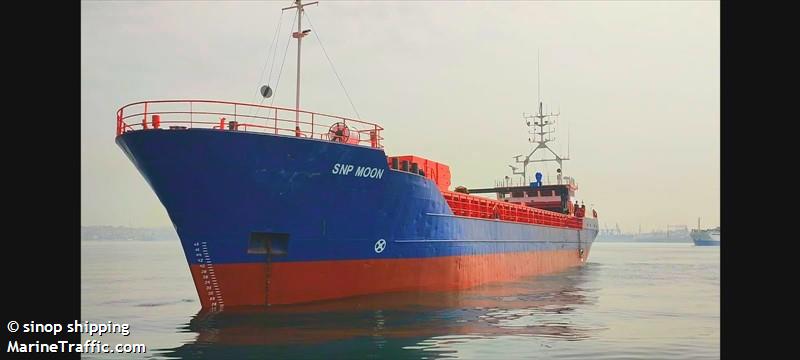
542 126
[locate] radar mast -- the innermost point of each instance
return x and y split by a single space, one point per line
541 126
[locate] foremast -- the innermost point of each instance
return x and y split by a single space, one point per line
298 4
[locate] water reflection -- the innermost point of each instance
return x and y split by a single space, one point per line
402 325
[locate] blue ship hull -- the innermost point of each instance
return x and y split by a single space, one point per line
241 201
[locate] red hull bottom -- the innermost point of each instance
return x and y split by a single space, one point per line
227 285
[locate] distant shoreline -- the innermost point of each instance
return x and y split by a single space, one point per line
679 240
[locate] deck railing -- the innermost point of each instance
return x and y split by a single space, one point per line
479 207
234 116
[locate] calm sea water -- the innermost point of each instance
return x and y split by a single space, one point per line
630 301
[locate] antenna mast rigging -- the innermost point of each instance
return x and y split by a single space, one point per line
541 136
299 36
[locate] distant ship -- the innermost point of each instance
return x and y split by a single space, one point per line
708 237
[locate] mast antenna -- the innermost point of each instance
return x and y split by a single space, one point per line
299 36
541 126
538 79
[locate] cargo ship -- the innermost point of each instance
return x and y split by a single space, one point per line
707 237
278 205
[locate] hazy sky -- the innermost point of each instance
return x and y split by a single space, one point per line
637 84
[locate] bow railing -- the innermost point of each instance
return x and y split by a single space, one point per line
234 116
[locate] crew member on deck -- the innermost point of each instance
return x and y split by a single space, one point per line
575 208
583 210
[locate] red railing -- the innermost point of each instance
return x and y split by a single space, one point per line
233 116
478 207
